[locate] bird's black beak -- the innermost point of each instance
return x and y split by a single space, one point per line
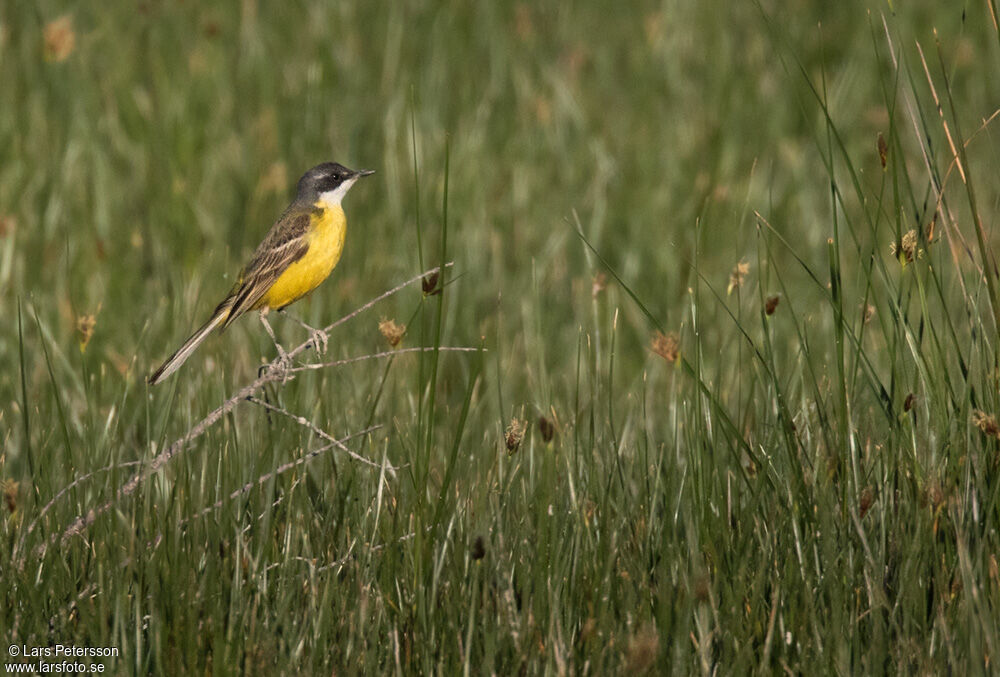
365 172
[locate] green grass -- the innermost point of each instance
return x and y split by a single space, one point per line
806 491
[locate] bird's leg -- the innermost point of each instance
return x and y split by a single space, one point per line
317 336
282 361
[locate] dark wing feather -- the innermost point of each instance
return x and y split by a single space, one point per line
286 243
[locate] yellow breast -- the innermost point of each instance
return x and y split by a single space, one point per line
326 242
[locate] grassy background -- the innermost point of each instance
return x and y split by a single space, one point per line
775 499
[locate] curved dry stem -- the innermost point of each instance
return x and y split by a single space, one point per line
269 375
281 469
376 356
62 492
303 421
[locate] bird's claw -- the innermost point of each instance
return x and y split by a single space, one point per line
320 341
280 367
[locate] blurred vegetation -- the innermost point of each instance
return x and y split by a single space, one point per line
813 490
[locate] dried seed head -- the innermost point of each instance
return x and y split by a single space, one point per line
430 283
85 328
906 250
703 588
883 151
598 284
909 246
8 224
478 549
771 304
667 346
866 501
986 422
643 650
935 496
909 402
546 428
392 332
737 276
869 313
10 492
514 435
59 39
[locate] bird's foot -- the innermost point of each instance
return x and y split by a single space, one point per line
320 341
317 337
280 368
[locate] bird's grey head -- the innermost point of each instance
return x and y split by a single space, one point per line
328 183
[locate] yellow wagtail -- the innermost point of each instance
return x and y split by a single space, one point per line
298 253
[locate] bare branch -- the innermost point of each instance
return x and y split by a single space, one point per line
62 492
271 374
330 327
281 469
303 421
375 356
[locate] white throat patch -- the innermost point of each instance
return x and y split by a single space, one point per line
332 198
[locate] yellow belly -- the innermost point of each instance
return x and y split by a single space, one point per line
326 242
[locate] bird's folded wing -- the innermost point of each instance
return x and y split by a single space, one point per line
287 242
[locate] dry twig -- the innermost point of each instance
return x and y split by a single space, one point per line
274 372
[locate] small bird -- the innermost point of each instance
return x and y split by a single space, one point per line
297 254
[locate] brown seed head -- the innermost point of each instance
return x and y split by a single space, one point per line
909 402
866 500
478 550
883 151
85 328
869 313
10 492
598 284
667 346
935 495
514 435
392 332
59 39
546 428
643 650
703 588
906 250
737 276
430 283
771 304
8 224
986 422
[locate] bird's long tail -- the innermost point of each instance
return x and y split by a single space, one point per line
177 359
